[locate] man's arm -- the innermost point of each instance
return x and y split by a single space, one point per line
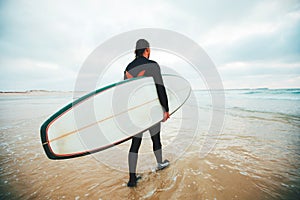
161 91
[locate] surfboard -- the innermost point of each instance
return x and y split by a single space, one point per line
109 116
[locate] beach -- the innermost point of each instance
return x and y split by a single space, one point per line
255 156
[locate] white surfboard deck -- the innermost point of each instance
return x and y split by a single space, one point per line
109 116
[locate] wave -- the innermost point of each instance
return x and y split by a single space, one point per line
273 91
253 92
283 98
295 92
281 115
268 94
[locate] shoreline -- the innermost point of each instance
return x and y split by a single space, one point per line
71 91
256 150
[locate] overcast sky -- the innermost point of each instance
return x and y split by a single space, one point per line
253 43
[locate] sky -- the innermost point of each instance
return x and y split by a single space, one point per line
253 44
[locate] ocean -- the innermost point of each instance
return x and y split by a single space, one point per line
255 156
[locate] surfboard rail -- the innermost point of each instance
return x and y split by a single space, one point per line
46 141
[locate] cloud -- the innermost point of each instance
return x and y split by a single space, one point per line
25 73
261 49
269 74
270 32
263 81
259 68
40 41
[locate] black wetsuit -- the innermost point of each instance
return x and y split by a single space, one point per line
150 68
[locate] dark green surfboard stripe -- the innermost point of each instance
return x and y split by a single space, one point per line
43 130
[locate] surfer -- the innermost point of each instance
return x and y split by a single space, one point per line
142 66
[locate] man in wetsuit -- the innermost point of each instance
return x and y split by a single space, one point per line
142 66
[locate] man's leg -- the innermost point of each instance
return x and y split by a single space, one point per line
155 136
132 158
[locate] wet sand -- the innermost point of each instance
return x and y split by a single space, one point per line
255 157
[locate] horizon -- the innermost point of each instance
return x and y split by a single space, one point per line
42 90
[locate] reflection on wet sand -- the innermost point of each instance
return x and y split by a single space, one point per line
253 158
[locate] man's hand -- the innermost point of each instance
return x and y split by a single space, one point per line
166 116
